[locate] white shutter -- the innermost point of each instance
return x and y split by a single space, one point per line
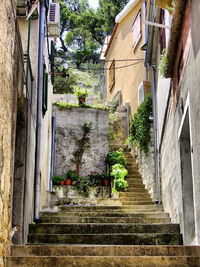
140 94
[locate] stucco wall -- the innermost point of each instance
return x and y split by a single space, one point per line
9 84
170 150
127 80
72 120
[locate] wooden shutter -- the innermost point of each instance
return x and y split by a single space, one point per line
137 31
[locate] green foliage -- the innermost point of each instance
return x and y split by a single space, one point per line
116 157
140 125
82 185
119 172
80 92
64 85
71 106
71 175
57 179
98 178
108 10
163 65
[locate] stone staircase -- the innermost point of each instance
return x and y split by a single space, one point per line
135 232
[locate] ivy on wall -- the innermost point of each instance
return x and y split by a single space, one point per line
140 126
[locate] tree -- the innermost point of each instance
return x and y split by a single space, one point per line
108 10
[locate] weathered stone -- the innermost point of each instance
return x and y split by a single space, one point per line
71 120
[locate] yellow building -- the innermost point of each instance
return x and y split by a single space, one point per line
124 57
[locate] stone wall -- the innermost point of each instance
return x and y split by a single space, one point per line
170 149
11 83
72 120
146 166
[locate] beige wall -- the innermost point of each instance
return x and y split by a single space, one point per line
126 79
11 83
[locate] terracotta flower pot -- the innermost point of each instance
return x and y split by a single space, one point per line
81 100
106 183
68 182
62 182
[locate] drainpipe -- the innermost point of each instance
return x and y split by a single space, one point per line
39 111
148 65
155 127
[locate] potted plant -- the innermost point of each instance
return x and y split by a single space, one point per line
105 180
81 94
70 176
57 179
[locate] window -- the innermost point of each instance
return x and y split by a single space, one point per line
112 75
136 28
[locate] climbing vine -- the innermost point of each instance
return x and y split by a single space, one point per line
82 144
140 126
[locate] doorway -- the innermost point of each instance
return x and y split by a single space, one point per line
187 181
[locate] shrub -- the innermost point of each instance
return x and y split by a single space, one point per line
140 125
116 157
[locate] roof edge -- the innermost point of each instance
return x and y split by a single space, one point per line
128 7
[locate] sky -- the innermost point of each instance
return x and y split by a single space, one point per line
94 3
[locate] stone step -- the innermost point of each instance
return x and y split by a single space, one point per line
134 181
114 219
137 198
103 250
107 239
104 261
69 208
139 202
133 194
102 228
106 214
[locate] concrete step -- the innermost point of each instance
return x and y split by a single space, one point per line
102 228
114 219
104 261
106 214
103 250
107 239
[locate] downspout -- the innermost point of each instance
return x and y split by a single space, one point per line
148 64
39 111
155 127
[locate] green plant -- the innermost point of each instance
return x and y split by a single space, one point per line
82 144
116 157
57 179
71 175
163 65
97 178
171 8
71 106
140 125
82 185
119 172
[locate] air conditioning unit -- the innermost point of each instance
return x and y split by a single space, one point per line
143 90
54 20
